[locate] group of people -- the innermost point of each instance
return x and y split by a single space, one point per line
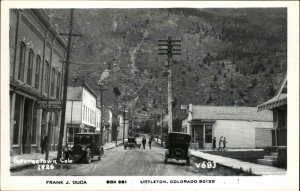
144 142
222 144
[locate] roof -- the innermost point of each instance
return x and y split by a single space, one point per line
278 100
202 112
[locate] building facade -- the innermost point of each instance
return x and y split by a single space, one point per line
36 72
243 127
81 111
278 105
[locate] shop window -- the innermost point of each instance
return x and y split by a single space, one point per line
34 125
29 68
37 72
208 133
52 82
17 119
21 61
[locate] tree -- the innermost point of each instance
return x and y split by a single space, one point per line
232 85
254 82
271 91
209 100
215 78
116 91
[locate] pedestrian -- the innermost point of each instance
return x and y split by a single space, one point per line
221 143
150 141
224 143
214 143
144 142
43 143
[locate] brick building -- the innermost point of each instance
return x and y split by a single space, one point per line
243 127
36 72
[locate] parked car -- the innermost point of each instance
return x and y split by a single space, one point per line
86 147
177 147
131 143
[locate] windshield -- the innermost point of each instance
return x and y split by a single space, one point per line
179 138
85 139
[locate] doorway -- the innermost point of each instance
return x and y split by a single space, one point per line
27 121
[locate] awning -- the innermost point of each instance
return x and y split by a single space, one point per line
275 102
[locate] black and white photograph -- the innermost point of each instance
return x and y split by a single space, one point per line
116 92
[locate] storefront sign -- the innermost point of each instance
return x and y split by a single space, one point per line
49 104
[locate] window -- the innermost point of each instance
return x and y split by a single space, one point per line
29 69
208 134
52 82
22 61
17 119
83 112
58 85
46 77
37 72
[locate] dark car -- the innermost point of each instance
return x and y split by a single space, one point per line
86 146
131 143
177 147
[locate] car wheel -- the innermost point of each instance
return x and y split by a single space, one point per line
166 159
99 157
88 157
188 161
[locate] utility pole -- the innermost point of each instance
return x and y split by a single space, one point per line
162 119
124 115
63 111
169 50
101 88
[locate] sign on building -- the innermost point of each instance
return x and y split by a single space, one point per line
49 104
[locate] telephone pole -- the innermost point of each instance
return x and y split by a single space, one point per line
102 89
63 111
169 50
124 115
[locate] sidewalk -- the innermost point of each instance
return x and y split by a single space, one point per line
39 156
256 169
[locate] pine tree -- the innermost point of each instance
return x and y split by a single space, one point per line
215 78
271 91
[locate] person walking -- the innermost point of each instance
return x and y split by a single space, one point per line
214 144
144 142
150 141
224 143
221 143
43 143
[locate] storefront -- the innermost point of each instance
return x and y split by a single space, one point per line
243 127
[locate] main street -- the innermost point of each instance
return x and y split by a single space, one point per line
120 162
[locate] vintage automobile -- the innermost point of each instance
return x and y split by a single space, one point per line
131 143
177 147
86 147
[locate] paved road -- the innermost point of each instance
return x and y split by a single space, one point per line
120 162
